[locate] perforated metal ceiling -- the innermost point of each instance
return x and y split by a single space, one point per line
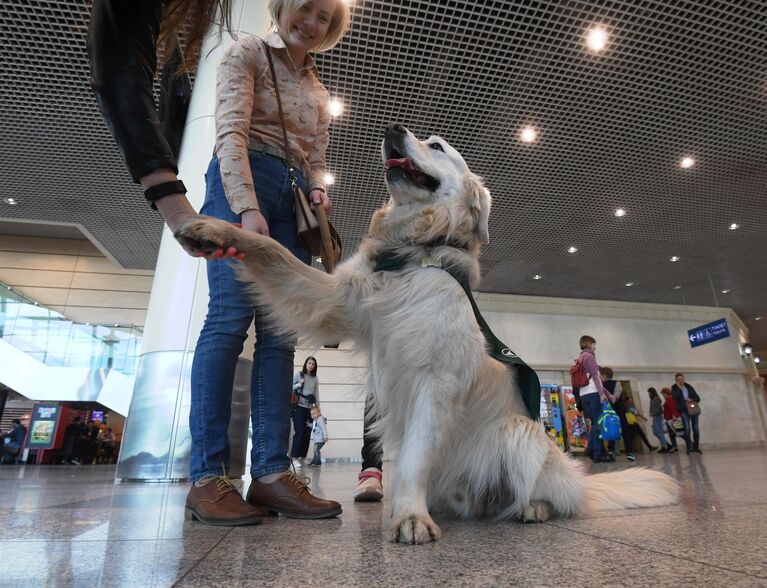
676 79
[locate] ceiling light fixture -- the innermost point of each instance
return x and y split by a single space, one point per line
676 287
528 134
675 258
596 39
336 107
748 349
572 250
620 212
687 162
726 291
11 201
734 226
757 359
757 318
330 179
537 277
629 284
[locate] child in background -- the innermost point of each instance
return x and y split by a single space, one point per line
319 435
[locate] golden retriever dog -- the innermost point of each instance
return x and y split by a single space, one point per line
464 441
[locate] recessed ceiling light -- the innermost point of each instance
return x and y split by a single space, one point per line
757 359
629 284
726 291
757 318
676 287
116 325
330 179
537 277
10 201
675 258
528 134
734 226
686 162
336 107
572 249
596 39
620 212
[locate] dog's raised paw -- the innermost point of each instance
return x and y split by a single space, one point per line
205 235
413 530
538 511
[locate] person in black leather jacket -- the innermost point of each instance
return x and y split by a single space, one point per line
682 392
122 49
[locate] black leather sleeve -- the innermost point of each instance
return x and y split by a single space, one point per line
122 49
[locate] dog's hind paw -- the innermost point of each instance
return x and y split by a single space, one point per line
538 511
206 234
413 530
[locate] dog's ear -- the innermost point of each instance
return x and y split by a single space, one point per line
480 208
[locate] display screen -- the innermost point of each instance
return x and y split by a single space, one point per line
42 432
42 429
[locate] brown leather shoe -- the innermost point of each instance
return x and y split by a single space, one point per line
217 502
289 495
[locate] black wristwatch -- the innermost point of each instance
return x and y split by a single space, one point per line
154 193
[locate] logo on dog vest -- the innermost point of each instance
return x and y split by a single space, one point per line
508 352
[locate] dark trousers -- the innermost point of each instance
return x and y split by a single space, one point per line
302 432
637 430
372 454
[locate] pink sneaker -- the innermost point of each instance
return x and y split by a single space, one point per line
369 487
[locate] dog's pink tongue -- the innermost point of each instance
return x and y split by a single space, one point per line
403 162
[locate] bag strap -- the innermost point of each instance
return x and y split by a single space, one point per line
288 158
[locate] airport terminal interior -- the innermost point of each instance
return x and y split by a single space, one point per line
623 145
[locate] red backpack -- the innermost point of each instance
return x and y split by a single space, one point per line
579 377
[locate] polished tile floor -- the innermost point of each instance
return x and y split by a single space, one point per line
71 526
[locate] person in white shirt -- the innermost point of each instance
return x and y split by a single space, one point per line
319 435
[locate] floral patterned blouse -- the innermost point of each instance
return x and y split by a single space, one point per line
247 115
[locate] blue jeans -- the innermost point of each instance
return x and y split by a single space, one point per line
592 408
691 420
230 313
657 429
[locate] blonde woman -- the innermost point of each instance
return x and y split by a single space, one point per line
248 183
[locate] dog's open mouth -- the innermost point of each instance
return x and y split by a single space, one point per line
396 163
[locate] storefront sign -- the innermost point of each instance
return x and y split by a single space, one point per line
708 333
42 428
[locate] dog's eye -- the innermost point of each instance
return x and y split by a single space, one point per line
437 146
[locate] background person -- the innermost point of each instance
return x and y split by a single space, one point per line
593 394
619 405
247 182
370 479
632 418
670 415
319 435
656 413
683 393
307 388
13 441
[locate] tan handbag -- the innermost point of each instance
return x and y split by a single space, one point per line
314 229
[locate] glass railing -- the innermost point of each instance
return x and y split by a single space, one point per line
53 339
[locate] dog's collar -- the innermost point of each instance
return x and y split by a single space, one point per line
390 260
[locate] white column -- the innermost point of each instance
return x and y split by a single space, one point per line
156 440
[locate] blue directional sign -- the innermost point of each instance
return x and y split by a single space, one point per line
708 333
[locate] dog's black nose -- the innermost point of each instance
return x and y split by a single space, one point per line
397 128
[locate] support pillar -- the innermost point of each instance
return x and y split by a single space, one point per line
156 441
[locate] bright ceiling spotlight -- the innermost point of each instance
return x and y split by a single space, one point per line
748 349
528 134
686 162
757 318
676 287
629 284
596 39
572 249
620 212
734 226
674 258
330 179
11 201
336 107
537 277
757 359
726 291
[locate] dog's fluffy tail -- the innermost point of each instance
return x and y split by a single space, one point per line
630 488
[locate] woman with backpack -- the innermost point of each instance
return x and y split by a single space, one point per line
592 394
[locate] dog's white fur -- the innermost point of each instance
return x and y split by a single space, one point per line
465 442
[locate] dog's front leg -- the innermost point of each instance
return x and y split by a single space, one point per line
410 520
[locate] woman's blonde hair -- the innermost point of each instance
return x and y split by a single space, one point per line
339 22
